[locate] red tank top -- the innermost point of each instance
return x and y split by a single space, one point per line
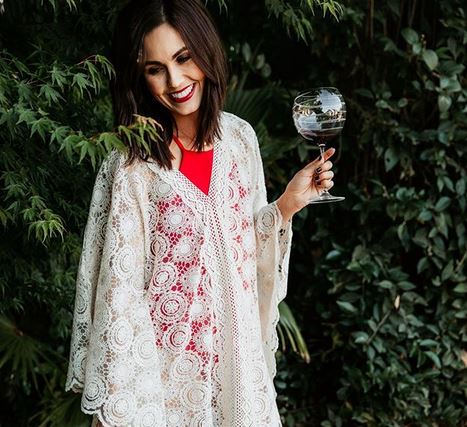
196 166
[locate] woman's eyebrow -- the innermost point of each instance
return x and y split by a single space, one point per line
178 52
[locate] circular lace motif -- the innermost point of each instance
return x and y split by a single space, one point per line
187 365
120 299
235 250
192 278
258 376
160 246
135 187
165 276
95 392
174 417
120 372
197 308
261 404
184 249
147 384
99 196
177 337
120 408
232 192
144 350
195 395
125 261
201 421
176 219
266 221
128 227
80 360
204 340
139 315
80 304
162 188
148 416
101 229
234 223
171 307
121 335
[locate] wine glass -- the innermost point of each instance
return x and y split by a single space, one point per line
319 116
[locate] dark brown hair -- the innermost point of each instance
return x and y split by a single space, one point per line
130 94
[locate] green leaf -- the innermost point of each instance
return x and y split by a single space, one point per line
347 306
434 357
429 343
390 159
447 271
444 103
422 265
386 284
442 203
360 337
430 58
461 288
424 216
334 254
460 186
410 36
406 286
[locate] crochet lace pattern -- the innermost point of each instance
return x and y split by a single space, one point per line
177 292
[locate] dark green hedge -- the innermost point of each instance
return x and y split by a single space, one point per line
377 283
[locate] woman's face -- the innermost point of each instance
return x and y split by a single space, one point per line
171 75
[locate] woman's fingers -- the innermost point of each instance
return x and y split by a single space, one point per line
328 184
324 167
325 183
328 153
325 175
316 162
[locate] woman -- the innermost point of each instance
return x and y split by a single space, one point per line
184 262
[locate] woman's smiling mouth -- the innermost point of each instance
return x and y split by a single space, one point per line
183 95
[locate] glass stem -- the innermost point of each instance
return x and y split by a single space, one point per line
322 147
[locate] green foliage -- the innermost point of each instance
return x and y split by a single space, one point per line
377 283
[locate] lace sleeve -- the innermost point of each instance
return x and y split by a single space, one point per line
113 359
273 244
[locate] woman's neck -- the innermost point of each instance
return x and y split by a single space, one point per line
186 129
187 126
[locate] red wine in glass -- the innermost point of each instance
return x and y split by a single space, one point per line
319 116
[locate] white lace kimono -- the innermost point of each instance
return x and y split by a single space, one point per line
177 293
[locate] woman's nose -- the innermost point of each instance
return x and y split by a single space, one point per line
175 77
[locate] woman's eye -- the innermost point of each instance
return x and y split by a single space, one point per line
184 58
153 71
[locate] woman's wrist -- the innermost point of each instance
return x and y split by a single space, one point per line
286 207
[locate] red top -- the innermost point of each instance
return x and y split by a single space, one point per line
196 166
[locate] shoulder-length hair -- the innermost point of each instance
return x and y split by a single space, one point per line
130 94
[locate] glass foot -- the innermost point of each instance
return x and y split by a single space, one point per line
326 198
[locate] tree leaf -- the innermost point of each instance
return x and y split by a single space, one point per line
410 36
347 306
430 58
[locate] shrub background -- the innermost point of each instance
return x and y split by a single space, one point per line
377 283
